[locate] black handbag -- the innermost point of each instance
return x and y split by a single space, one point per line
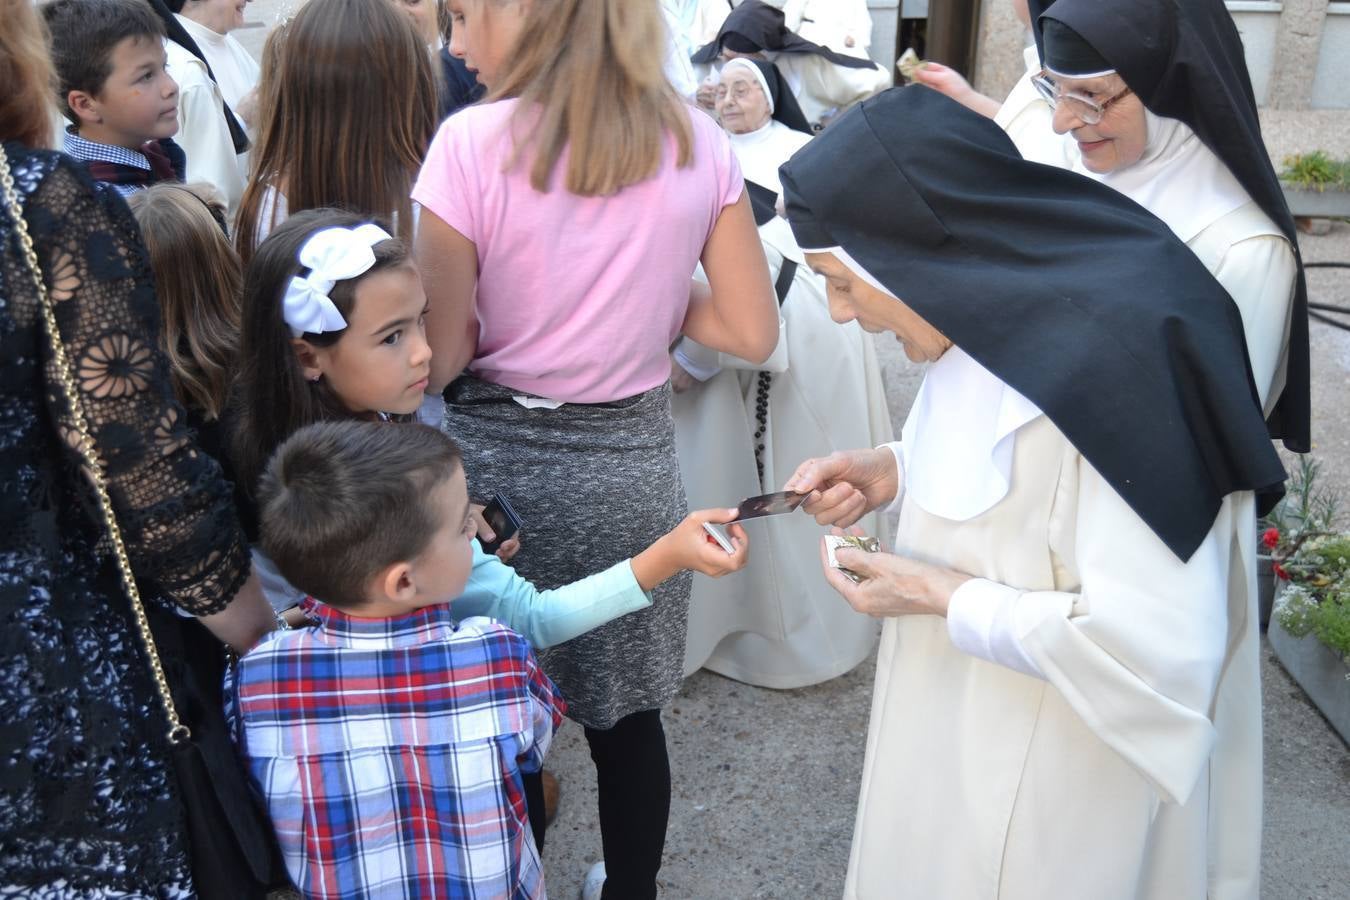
232 846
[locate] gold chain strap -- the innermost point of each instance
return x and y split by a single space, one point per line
177 730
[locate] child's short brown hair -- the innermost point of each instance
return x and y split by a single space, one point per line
341 501
84 34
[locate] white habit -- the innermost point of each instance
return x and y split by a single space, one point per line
762 151
777 623
236 71
832 23
1100 735
824 89
203 132
1183 183
1028 120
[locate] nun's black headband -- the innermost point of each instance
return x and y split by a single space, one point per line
1068 55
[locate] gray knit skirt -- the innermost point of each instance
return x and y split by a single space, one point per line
595 484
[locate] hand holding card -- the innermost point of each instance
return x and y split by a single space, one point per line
688 546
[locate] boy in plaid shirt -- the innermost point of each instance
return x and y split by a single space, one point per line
388 739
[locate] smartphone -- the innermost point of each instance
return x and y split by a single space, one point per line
769 505
719 534
502 519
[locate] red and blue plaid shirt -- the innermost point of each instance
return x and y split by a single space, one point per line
390 753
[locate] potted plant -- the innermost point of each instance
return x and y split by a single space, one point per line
1316 186
1310 626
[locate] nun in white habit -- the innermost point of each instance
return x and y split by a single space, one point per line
1065 704
740 431
845 25
1155 100
825 80
761 118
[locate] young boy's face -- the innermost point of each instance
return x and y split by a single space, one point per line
138 102
442 569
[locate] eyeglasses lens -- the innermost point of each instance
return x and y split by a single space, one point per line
1086 111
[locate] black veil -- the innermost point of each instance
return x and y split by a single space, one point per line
1184 60
1067 290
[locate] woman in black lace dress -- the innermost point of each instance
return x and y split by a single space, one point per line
88 806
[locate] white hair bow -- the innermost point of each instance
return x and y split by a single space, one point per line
331 255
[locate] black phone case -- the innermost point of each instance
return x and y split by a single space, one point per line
502 519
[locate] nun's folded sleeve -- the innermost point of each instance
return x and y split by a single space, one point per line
1137 650
897 450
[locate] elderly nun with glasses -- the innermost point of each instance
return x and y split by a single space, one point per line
1156 98
1153 98
1067 700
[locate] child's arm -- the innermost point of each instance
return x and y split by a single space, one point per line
688 546
547 618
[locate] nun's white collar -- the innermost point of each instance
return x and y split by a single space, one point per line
957 443
1178 178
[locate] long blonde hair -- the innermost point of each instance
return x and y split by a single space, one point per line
26 106
348 106
590 77
198 281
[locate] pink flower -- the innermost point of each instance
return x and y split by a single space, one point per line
1271 538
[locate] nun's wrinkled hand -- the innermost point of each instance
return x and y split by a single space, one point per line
846 485
892 585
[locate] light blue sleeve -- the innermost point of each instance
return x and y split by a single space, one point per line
546 618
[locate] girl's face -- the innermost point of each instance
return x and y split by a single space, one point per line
382 361
423 15
483 33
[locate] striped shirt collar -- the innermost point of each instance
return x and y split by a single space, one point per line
87 150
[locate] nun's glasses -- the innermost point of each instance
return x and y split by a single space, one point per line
1083 107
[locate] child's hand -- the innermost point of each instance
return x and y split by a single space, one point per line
697 551
688 546
509 547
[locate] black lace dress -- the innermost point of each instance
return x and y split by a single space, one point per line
88 806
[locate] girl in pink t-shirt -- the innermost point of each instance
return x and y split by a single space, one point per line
561 224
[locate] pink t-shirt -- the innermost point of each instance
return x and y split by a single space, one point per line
578 297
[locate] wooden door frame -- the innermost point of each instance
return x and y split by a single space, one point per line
953 34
